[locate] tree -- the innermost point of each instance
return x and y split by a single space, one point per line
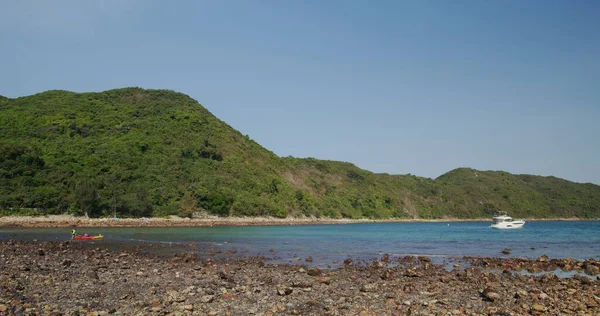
85 195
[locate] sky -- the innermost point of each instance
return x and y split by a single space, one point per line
419 87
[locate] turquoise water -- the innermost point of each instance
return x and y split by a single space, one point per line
328 244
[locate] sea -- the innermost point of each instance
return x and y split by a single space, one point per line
330 245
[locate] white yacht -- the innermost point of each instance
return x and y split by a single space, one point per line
503 221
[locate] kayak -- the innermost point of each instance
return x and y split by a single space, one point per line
80 237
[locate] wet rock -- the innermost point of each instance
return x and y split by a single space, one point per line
348 262
548 277
542 258
309 259
412 273
386 258
591 269
314 272
506 251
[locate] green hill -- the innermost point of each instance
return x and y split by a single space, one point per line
143 152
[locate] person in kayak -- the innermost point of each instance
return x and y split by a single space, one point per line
73 233
85 235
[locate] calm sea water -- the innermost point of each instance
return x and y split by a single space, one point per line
328 244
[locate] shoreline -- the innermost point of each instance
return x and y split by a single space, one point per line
57 221
70 278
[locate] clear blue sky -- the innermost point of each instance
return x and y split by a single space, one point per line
417 87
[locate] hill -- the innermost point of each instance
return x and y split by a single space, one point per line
137 152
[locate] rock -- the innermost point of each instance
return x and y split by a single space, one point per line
156 309
325 280
412 273
548 277
67 262
207 299
591 269
285 291
490 294
41 252
386 258
538 308
521 294
506 251
175 296
188 308
348 262
543 258
314 272
301 270
3 308
309 259
369 288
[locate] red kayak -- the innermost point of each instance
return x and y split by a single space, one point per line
80 237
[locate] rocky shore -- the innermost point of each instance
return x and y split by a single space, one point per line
174 221
80 278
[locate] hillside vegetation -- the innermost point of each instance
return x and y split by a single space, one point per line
135 152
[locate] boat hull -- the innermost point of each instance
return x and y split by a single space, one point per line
89 237
511 225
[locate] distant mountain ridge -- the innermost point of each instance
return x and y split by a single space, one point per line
136 152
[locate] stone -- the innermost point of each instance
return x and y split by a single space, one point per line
188 308
348 262
591 269
156 309
175 296
41 252
521 294
490 294
538 308
284 291
506 251
369 288
314 272
325 280
309 259
3 308
412 273
207 298
385 275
